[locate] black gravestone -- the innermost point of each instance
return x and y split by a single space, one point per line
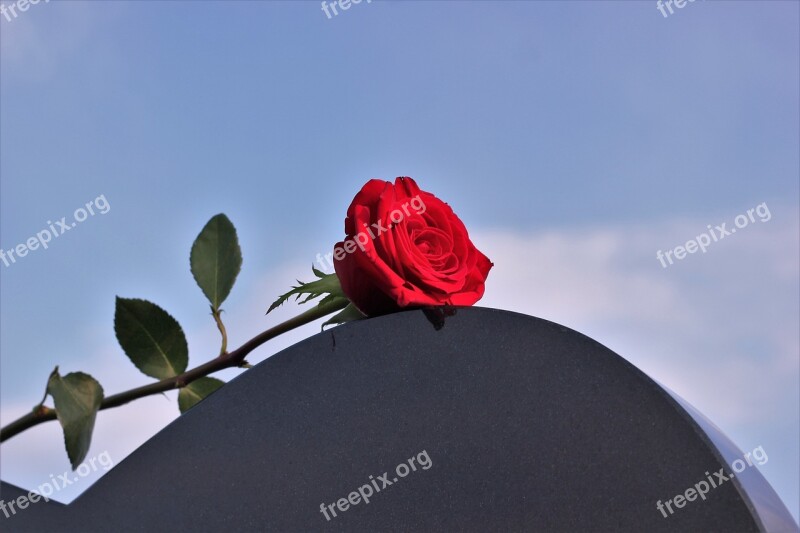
494 422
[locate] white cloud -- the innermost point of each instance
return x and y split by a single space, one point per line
730 312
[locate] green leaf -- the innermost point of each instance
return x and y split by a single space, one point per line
151 338
326 284
216 259
348 314
77 398
195 391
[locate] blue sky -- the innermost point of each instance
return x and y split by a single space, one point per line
575 139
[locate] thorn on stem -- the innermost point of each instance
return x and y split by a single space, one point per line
41 410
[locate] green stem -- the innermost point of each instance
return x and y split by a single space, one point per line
232 359
216 313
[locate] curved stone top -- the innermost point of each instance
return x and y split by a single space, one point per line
485 420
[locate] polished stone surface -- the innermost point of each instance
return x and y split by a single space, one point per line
513 423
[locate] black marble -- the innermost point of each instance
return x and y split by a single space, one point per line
513 423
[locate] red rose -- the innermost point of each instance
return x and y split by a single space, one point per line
406 248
